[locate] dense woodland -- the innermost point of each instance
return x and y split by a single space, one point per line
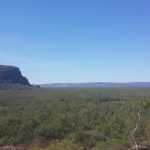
74 119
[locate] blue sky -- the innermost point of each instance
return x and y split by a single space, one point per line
76 40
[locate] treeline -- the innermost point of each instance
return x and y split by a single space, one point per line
73 119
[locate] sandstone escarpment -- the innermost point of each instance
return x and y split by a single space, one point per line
12 75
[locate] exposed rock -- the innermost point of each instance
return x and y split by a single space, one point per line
13 148
11 74
139 147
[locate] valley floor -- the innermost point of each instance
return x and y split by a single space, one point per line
74 119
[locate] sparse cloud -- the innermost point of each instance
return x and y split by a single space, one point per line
14 51
28 61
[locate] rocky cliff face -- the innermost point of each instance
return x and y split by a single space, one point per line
11 74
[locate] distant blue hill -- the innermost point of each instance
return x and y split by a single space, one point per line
95 85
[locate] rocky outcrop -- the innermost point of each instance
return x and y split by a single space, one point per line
13 148
12 75
139 147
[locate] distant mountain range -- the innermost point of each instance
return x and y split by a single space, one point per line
95 85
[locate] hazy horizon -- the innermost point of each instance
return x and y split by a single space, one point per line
76 41
92 82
